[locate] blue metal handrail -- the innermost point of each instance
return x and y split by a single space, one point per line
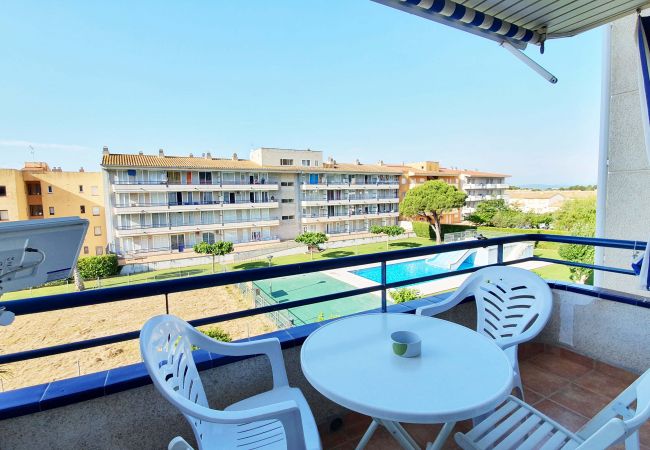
166 287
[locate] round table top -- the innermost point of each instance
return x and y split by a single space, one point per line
459 375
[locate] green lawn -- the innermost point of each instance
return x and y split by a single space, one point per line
553 271
205 269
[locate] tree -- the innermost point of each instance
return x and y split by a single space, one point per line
388 230
579 253
219 248
486 210
401 295
575 213
579 218
78 280
312 240
430 200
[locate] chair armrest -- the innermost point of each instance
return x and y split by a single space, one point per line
269 347
440 307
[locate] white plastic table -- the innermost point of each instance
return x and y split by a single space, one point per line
459 375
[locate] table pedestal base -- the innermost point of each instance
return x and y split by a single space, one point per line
405 440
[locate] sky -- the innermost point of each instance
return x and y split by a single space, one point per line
352 78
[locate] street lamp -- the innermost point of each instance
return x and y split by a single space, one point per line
269 257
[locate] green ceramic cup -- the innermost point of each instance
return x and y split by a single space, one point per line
406 344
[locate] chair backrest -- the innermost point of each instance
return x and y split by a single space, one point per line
166 348
621 418
513 304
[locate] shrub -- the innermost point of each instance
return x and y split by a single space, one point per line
102 266
423 230
218 334
402 295
454 228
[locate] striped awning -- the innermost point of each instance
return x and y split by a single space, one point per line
516 23
520 22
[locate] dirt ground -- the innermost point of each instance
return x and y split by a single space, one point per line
58 327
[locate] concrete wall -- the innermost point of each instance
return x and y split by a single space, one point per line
627 212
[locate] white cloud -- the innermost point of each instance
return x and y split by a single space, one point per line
41 145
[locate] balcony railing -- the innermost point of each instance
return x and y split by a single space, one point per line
126 293
199 203
180 183
190 224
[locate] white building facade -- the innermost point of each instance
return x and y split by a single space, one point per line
481 186
167 203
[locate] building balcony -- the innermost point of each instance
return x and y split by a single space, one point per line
320 218
155 229
588 352
137 208
226 185
346 185
350 201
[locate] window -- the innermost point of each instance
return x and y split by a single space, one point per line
86 250
82 209
51 210
287 217
94 190
50 190
34 188
286 162
306 163
81 188
4 215
99 250
315 163
95 210
208 238
35 210
3 191
205 177
286 183
287 200
98 231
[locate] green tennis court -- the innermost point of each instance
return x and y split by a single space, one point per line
297 287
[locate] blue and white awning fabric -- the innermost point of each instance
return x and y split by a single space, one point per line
471 20
643 39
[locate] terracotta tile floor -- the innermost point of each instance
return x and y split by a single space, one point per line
567 387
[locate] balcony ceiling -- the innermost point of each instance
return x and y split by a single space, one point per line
547 19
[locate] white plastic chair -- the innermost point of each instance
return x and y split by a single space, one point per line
513 306
517 425
276 419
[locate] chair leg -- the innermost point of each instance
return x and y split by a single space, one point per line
517 385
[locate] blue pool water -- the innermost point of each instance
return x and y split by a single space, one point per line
411 269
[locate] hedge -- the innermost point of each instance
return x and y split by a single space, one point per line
490 230
455 228
102 266
423 230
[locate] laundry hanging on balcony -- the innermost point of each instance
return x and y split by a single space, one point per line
643 39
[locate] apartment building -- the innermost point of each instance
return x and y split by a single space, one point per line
170 203
38 191
418 173
480 186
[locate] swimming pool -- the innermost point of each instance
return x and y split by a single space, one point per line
409 270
